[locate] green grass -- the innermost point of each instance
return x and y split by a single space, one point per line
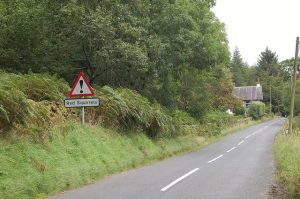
287 155
43 152
242 123
77 156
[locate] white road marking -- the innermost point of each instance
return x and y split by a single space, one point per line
231 149
255 132
241 142
215 158
248 136
179 179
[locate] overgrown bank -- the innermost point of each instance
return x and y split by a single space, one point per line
43 150
287 154
77 156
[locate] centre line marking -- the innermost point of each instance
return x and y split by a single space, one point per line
247 136
231 149
215 158
241 142
179 179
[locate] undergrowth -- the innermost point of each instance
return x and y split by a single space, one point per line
32 103
43 151
287 155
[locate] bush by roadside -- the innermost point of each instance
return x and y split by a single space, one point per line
256 110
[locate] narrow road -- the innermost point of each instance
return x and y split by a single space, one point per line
239 166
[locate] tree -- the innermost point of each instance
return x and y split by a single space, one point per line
268 62
267 68
239 69
163 49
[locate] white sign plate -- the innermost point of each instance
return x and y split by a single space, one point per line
81 102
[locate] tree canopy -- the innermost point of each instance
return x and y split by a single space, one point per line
165 49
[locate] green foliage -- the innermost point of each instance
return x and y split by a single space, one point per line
239 110
32 103
286 98
268 71
22 96
182 117
125 109
256 110
268 62
77 156
216 121
287 149
15 108
221 119
243 75
161 49
40 87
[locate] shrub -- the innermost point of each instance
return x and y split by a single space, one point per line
215 121
40 87
25 101
219 118
239 110
182 117
256 110
125 109
14 108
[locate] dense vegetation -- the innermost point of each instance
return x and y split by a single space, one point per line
33 104
77 156
287 148
161 49
44 149
161 68
256 110
274 76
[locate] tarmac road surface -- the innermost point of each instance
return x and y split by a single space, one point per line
239 166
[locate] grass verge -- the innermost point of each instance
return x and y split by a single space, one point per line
287 155
75 156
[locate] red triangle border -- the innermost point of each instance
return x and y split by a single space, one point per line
81 74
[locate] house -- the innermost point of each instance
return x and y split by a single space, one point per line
249 93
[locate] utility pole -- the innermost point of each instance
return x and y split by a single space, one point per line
270 93
293 87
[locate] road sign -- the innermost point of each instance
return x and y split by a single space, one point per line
81 102
81 87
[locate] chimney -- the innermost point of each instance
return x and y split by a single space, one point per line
258 83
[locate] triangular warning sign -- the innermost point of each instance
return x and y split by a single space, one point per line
81 87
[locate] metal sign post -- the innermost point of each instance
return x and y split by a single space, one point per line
81 88
82 114
83 119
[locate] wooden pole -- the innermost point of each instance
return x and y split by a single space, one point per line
293 87
270 93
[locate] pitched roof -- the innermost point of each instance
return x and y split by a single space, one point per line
249 92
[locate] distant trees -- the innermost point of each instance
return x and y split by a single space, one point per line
243 75
272 75
173 52
268 71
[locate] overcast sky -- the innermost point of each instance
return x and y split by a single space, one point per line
252 25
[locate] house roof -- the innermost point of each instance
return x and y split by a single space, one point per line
249 92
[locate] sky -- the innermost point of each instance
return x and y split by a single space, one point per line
253 25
